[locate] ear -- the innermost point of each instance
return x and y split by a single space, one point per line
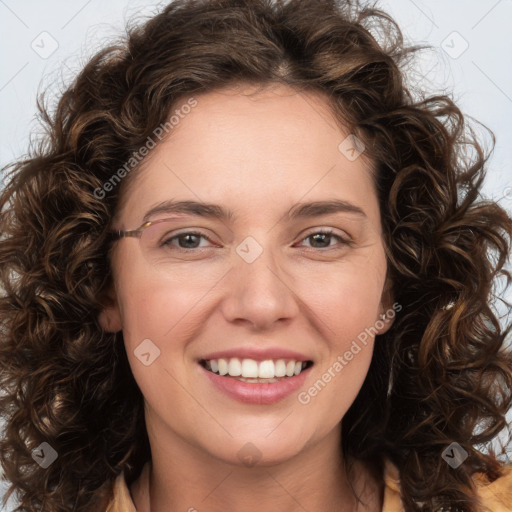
110 316
387 309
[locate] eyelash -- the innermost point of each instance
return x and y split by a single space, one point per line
324 231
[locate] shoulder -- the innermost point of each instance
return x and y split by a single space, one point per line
497 495
121 500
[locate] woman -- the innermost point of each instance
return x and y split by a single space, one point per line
248 270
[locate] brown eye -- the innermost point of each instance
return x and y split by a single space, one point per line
321 239
188 240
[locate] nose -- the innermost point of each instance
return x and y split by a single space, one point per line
259 294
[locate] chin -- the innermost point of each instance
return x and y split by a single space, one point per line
258 451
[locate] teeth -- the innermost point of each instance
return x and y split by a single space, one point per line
251 370
223 366
235 367
266 370
254 381
280 368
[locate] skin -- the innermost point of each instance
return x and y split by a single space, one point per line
257 155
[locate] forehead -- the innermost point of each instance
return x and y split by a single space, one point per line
247 116
257 147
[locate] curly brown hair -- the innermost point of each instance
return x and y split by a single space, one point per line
442 374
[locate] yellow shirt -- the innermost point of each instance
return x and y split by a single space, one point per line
497 496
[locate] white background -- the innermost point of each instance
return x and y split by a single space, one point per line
479 77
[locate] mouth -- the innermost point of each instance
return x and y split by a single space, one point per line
252 371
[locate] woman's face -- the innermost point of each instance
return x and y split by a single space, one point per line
263 285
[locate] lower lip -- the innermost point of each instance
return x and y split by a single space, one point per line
257 393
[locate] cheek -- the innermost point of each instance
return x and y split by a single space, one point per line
345 306
153 304
345 312
152 309
164 315
346 300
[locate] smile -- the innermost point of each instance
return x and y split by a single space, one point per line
256 382
250 370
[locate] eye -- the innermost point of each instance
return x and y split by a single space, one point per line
190 240
321 238
186 240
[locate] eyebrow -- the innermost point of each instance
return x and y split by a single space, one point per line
215 211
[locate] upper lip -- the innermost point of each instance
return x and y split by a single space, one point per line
258 354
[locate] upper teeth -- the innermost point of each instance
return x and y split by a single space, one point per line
250 368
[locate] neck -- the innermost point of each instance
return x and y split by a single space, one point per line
185 478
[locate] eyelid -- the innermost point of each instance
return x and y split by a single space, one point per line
328 231
192 231
344 239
